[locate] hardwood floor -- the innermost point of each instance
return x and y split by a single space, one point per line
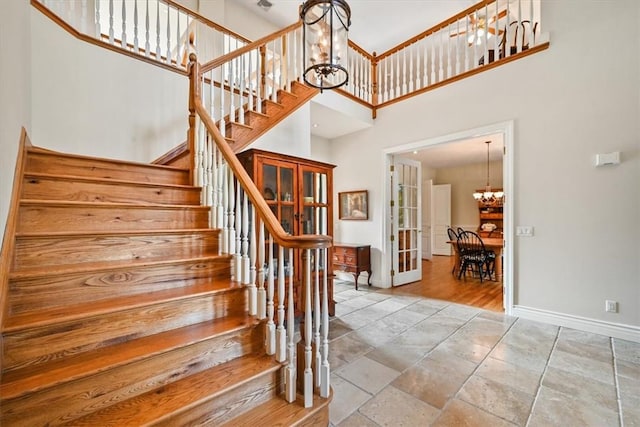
438 282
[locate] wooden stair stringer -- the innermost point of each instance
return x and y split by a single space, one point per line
274 113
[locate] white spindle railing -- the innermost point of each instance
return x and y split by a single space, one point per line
163 30
263 255
236 85
484 33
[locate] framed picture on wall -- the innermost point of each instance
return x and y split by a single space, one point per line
353 205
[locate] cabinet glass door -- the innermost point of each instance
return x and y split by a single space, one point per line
315 207
278 182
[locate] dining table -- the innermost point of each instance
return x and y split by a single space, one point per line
495 244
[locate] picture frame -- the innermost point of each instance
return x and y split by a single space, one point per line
353 205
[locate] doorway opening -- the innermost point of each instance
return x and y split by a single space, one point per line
465 146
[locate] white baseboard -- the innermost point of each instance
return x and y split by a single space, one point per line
616 330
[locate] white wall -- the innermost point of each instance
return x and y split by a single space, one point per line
465 180
291 136
568 103
321 149
15 101
88 100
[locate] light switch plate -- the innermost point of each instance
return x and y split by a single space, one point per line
524 230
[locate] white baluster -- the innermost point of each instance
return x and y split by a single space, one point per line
231 215
449 61
485 38
392 92
425 60
434 59
168 53
98 29
411 82
276 60
441 75
290 370
123 41
250 77
178 36
308 331
147 43
158 57
222 125
316 311
281 333
262 294
219 190
253 290
246 278
242 77
325 372
111 32
136 48
225 206
398 91
385 79
259 87
214 191
457 48
404 71
232 106
197 166
271 326
237 255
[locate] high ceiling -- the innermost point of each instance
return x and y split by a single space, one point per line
376 25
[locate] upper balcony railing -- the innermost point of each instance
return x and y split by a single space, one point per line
483 36
161 30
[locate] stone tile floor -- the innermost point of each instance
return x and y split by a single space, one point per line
400 360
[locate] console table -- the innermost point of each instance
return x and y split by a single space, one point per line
352 258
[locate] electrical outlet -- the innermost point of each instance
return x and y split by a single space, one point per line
524 230
611 306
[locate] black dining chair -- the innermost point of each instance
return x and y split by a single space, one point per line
475 257
453 237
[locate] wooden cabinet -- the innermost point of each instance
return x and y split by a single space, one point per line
353 259
490 214
299 192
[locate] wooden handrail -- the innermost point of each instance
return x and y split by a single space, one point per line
208 66
280 237
305 241
361 51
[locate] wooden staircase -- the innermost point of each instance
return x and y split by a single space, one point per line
119 310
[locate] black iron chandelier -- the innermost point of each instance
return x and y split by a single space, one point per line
325 42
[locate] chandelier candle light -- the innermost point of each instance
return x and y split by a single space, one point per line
325 42
488 197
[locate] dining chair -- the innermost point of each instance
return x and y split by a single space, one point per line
453 237
474 256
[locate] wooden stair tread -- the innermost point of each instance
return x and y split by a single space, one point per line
281 412
107 180
103 159
19 382
108 205
118 233
106 265
57 315
182 395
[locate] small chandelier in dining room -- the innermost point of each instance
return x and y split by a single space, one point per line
325 42
488 197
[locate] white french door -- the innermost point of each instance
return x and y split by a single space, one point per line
406 221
